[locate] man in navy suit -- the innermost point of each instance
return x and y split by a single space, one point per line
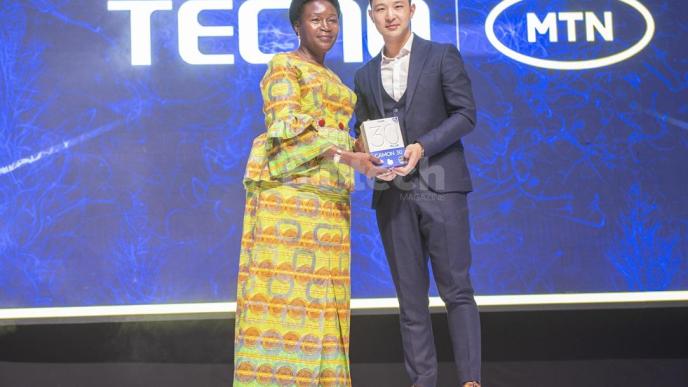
421 208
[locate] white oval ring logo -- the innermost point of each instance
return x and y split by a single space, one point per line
570 65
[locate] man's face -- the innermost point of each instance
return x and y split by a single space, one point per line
392 17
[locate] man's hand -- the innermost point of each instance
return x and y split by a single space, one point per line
412 154
387 176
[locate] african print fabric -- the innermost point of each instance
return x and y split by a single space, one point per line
292 320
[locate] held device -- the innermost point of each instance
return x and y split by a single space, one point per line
382 138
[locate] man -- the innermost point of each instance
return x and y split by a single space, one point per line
423 211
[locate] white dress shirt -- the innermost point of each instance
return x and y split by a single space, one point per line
395 71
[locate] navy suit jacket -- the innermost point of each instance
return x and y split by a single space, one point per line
440 110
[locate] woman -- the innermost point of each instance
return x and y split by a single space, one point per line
292 319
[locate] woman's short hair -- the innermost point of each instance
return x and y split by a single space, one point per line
296 9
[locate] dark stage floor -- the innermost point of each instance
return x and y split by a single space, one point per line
606 373
625 348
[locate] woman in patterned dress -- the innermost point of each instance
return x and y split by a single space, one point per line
292 318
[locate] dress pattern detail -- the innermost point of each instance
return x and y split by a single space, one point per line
292 319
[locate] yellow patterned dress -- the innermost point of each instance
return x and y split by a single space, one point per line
292 319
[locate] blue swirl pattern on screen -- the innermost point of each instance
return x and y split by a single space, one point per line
121 184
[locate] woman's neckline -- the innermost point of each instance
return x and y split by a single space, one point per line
309 61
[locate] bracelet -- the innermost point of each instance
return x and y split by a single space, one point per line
337 158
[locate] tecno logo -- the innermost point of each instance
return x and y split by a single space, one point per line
190 30
568 27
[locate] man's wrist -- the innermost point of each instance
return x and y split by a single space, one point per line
422 149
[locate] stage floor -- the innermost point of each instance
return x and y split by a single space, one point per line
604 373
567 348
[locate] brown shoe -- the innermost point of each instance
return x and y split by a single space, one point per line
471 384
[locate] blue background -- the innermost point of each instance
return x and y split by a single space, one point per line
122 184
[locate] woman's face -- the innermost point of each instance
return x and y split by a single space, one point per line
318 26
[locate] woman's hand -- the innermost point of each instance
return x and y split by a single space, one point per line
388 175
358 145
364 163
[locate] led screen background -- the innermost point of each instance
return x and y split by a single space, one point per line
121 184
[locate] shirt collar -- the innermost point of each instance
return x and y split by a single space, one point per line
402 53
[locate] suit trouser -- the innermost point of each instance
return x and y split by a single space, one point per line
414 225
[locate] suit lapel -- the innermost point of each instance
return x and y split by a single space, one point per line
419 54
376 83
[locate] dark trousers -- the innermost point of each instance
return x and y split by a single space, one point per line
416 225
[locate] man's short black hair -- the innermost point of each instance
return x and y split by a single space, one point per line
371 2
296 9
